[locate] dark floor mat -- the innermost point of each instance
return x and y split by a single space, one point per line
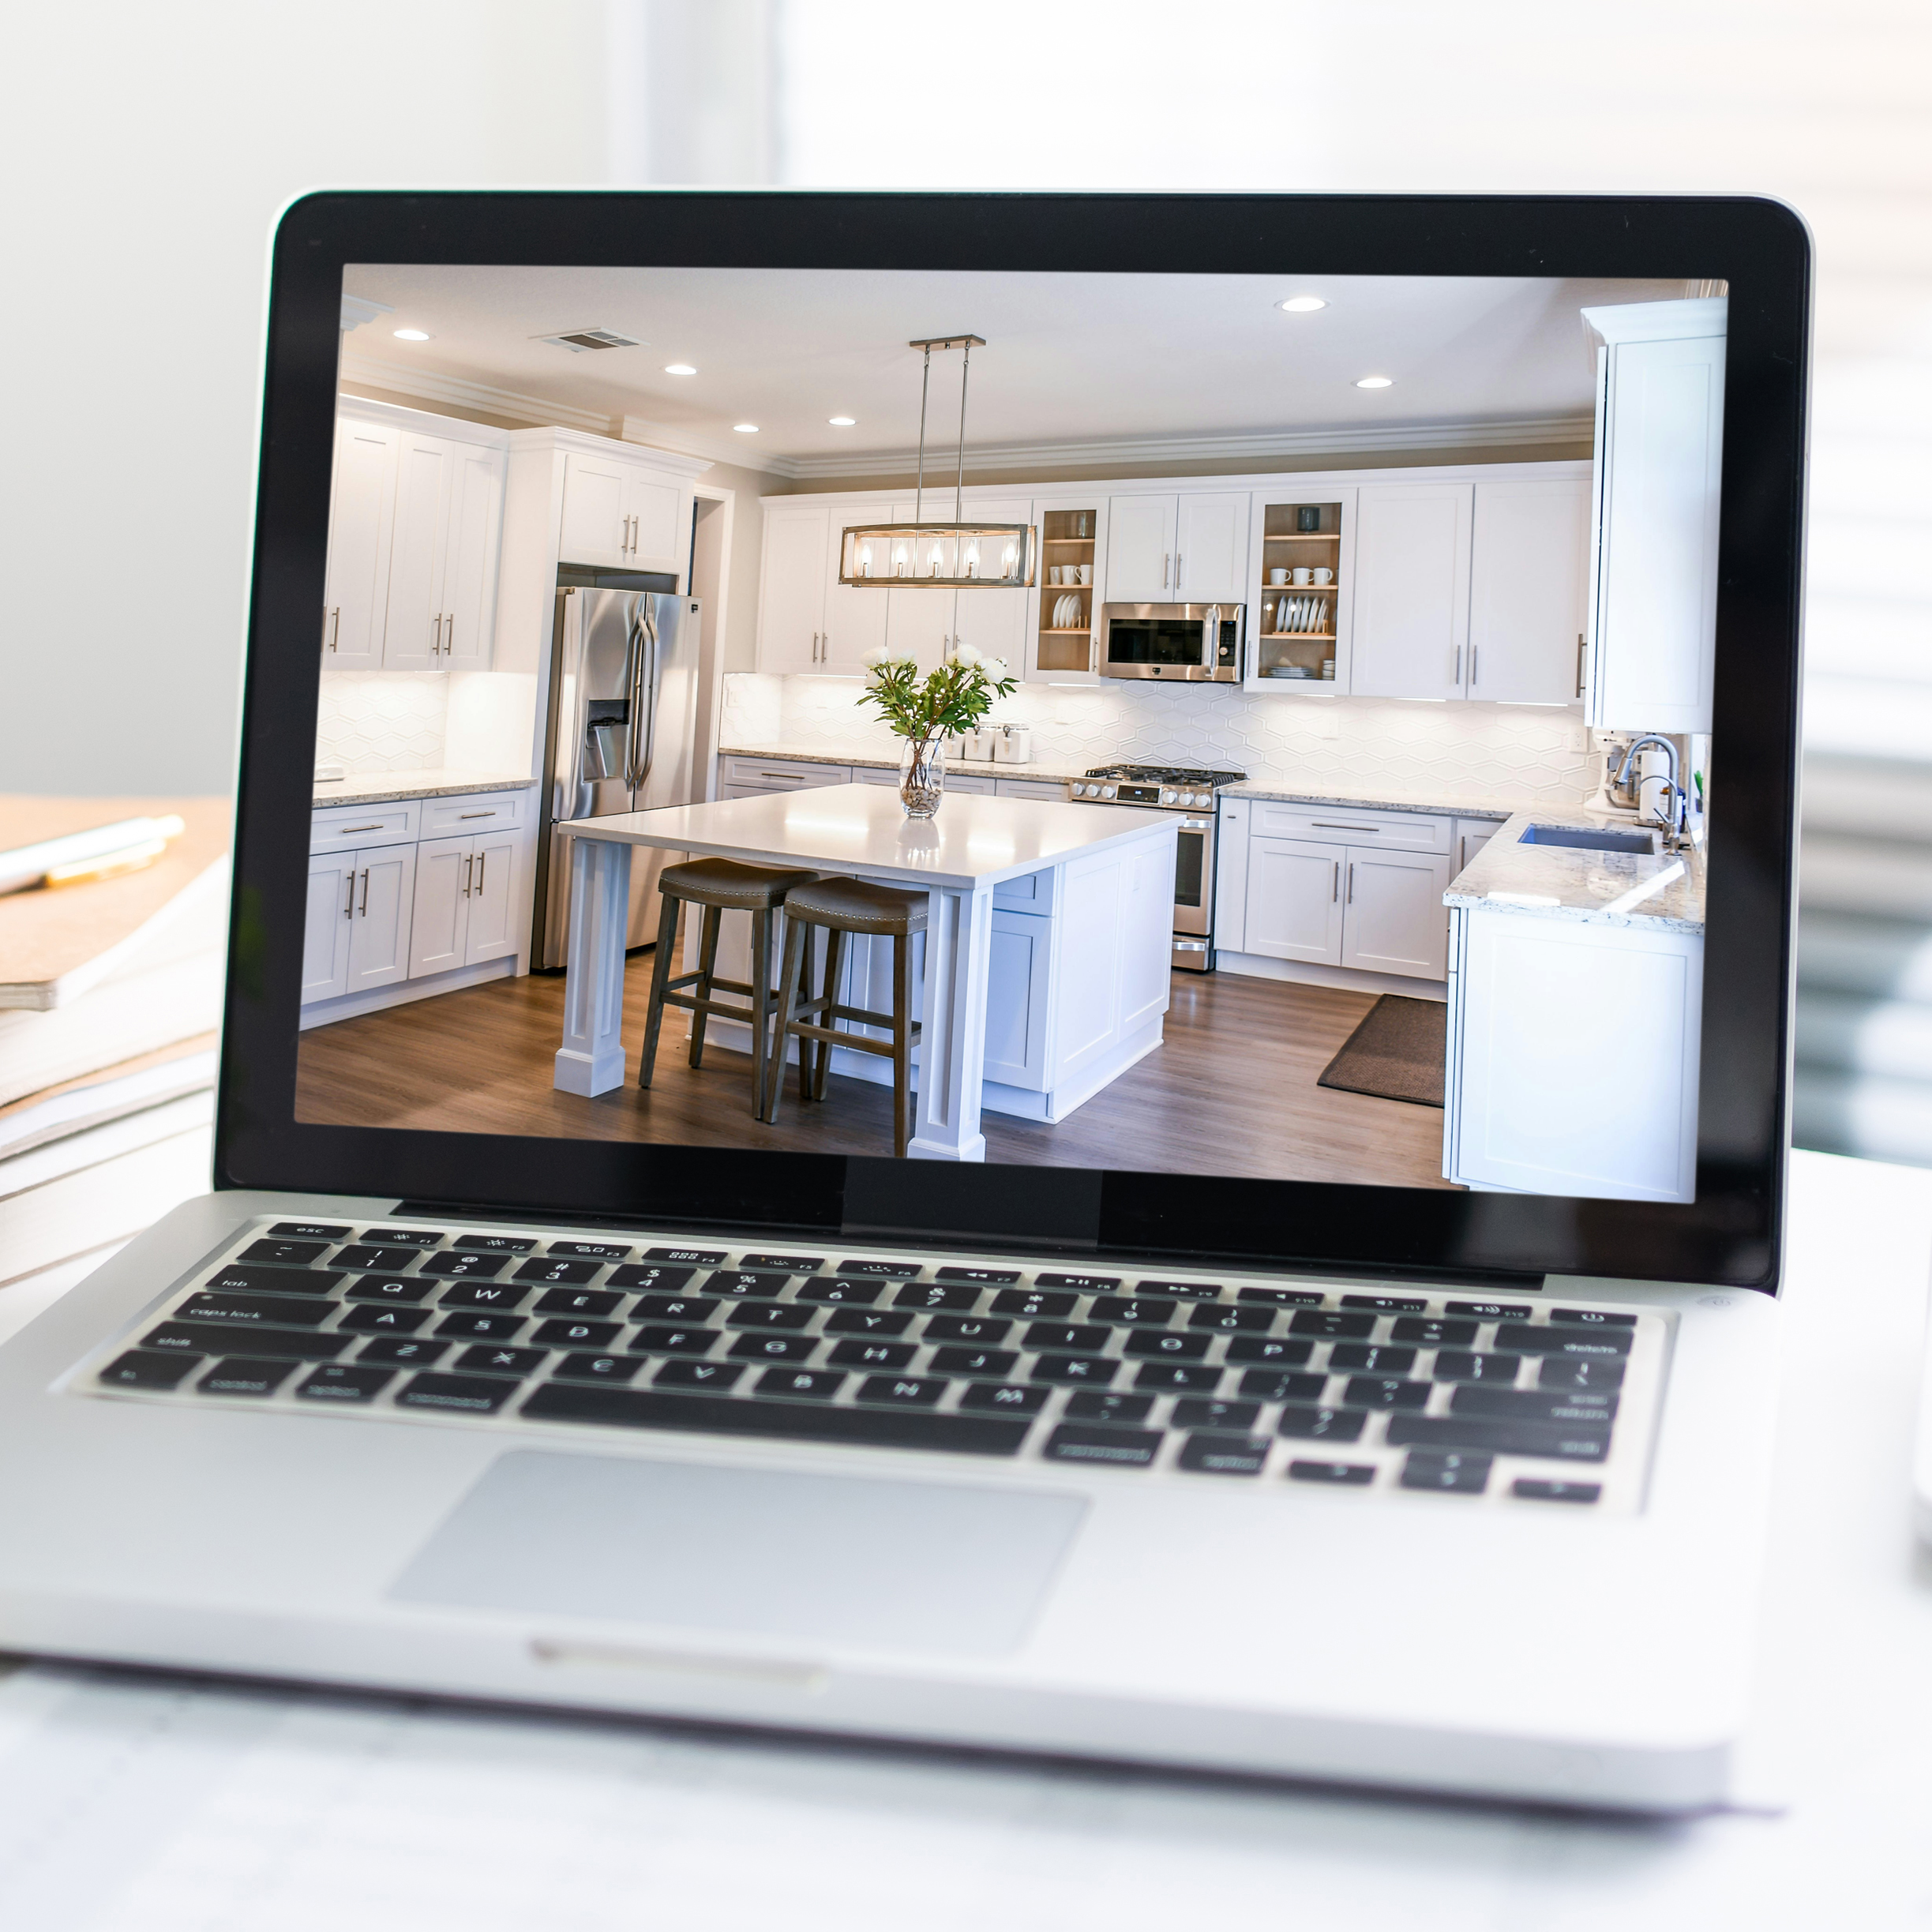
1397 1053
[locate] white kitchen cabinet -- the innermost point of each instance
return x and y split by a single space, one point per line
654 508
361 513
462 901
1210 547
492 901
1294 902
1573 1057
1528 590
745 776
1393 916
1658 463
1411 598
473 543
1470 836
620 515
994 621
854 620
412 638
1019 997
1140 550
328 923
791 587
379 931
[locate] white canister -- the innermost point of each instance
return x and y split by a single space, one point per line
1013 744
979 744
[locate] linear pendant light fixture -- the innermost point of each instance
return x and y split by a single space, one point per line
963 555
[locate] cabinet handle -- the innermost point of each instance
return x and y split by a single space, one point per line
1167 560
469 866
1178 560
1475 653
1322 825
1582 649
1334 890
334 627
1456 677
449 633
365 905
482 866
348 904
477 815
1351 882
347 829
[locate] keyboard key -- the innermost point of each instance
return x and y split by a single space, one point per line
1593 1317
1537 1404
1131 1311
1455 1471
894 1270
1280 1297
1076 1337
670 1340
463 1266
397 1352
1564 1441
234 1277
870 1322
497 1244
1563 1339
555 1270
1033 1303
244 1310
501 1296
699 1257
835 1290
773 1348
1104 1405
685 1309
817 1385
1434 1334
370 1320
142 1368
1370 1358
1121 1448
746 1284
1356 1475
1336 1327
1387 1305
487 1361
1223 1455
695 1375
561 1334
768 1314
1493 1311
784 1264
1268 1385
349 1383
956 1295
1311 1425
403 1237
903 1391
885 1427
579 1301
1195 1378
480 1327
1536 1489
1384 1392
1456 1365
368 1255
213 1339
1554 1372
1288 1353
286 1253
309 1231
1081 1284
404 1290
1228 1321
653 1279
972 1328
1185 1291
1011 1398
959 1360
477 1395
993 1276
1166 1344
598 1367
1196 1411
1074 1371
590 1251
856 1353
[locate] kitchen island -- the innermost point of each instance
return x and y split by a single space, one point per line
1046 950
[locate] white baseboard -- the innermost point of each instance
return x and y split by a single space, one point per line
1351 979
352 1006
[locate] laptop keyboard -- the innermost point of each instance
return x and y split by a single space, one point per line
1332 1385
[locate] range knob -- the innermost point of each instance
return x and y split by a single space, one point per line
1106 791
1194 798
1167 797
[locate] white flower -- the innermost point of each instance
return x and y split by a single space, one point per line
995 668
965 655
874 659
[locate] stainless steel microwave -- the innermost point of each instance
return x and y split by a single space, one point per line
1197 643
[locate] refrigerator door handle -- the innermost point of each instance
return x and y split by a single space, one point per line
645 737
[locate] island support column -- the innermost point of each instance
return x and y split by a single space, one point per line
591 1059
952 1049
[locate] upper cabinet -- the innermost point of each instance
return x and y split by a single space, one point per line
1660 449
1186 549
1301 564
994 621
1071 533
791 586
622 514
1412 590
362 517
1528 587
1140 550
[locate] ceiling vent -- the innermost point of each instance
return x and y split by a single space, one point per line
577 340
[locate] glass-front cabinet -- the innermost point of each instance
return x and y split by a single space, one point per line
1301 552
1061 648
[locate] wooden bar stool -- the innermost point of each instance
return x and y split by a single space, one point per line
843 906
719 886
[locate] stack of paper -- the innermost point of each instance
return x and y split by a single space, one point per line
110 995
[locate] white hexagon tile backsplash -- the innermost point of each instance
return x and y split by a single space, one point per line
381 721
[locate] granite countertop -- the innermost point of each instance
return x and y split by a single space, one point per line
1598 888
365 788
1049 771
1372 799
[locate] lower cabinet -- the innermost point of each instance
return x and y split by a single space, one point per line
1471 835
356 932
462 903
1294 900
1347 905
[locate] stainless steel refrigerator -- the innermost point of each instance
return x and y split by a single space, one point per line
622 715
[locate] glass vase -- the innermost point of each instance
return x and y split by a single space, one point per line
922 776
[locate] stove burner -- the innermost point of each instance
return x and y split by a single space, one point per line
1166 775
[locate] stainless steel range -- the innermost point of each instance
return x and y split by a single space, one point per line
1188 791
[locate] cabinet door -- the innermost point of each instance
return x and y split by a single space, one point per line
1411 590
1210 549
791 591
652 506
1471 835
379 942
921 623
596 518
854 620
440 918
1656 571
1294 900
413 630
1529 569
326 927
472 548
361 512
491 897
1017 984
1140 550
994 622
1394 920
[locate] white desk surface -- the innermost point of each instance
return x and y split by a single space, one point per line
974 839
131 1804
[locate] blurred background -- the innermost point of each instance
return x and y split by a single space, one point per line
150 149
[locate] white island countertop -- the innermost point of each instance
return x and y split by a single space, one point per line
1600 888
973 843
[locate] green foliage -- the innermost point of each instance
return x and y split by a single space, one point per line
949 700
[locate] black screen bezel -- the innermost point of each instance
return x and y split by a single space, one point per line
1730 1234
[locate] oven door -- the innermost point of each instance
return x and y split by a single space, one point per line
1194 896
1158 640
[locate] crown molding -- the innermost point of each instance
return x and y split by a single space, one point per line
378 373
1695 317
357 309
685 442
552 436
452 429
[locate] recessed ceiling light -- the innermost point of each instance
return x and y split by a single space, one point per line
679 368
412 335
745 428
1374 382
842 423
1302 305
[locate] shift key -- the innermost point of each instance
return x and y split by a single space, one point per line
1574 1442
269 1310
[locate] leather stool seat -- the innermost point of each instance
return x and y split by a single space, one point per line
857 906
731 887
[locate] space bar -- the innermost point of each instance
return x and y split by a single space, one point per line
724 1415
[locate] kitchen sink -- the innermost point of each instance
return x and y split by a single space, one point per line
1580 839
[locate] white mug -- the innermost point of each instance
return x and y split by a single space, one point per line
1084 572
1053 574
1278 575
1325 576
1302 575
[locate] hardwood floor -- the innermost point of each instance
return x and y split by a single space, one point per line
1231 1089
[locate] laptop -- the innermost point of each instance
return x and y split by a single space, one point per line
1353 1361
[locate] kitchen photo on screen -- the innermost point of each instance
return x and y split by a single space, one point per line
1251 726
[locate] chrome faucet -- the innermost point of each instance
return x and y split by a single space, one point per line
1673 815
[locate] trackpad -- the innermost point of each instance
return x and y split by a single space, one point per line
847 1560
